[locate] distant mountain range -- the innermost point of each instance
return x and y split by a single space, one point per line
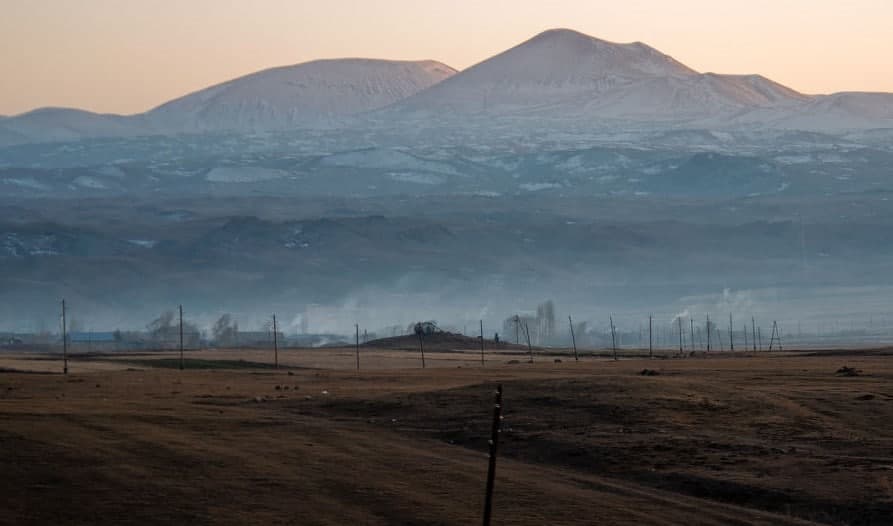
559 75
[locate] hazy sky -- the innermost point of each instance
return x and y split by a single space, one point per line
127 56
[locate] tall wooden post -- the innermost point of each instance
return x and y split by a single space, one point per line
753 327
358 347
529 347
681 346
691 332
775 336
64 341
650 341
614 338
708 333
181 336
731 337
421 348
275 343
482 343
494 447
760 337
745 337
573 338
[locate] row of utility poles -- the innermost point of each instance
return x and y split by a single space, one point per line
755 341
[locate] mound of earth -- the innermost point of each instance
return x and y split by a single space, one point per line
441 341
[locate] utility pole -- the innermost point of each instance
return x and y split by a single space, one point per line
775 335
708 333
760 336
731 338
275 343
494 446
482 343
573 338
421 347
64 341
357 348
650 341
614 338
753 327
691 332
529 347
745 337
681 349
517 330
181 337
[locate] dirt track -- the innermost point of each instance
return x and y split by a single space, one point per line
768 440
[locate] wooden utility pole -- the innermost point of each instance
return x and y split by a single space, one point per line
745 337
482 343
64 341
775 336
573 338
494 447
421 348
681 346
614 338
357 348
753 327
760 337
731 338
181 336
529 347
708 333
691 332
275 343
650 339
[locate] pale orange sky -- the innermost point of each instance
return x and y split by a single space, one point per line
127 56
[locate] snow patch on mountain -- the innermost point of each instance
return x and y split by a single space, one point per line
243 174
87 181
387 159
417 178
26 182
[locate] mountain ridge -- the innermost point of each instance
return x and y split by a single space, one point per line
293 95
557 74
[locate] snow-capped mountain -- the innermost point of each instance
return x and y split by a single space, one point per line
315 92
562 73
560 78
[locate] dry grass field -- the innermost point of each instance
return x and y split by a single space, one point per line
743 439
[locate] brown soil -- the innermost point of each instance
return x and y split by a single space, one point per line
718 440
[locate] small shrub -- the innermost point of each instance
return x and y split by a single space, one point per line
848 371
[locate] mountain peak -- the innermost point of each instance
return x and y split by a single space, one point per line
551 68
562 33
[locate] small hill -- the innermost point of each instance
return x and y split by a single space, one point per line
441 341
